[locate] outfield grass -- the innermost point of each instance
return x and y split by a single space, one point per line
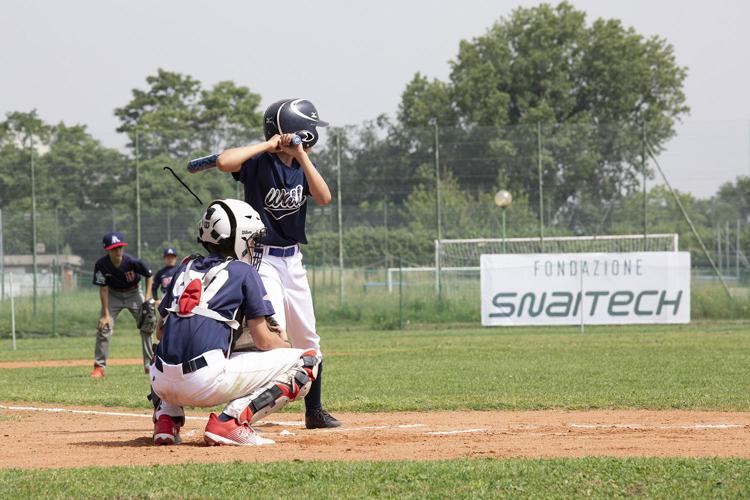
573 478
697 366
76 313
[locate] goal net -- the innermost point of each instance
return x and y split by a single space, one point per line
456 269
466 253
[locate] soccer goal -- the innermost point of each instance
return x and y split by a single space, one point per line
457 261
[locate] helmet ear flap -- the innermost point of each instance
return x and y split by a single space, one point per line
271 120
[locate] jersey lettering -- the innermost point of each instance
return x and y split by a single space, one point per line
282 202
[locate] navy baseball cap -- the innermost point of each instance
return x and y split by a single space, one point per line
170 251
113 240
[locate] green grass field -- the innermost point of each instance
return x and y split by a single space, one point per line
700 366
704 365
75 313
481 478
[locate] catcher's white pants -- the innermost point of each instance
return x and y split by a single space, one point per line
234 381
285 280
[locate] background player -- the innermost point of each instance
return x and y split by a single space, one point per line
118 275
209 298
163 276
278 178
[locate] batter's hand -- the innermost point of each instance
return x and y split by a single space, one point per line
274 144
295 151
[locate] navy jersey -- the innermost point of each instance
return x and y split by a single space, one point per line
188 338
279 194
124 277
162 279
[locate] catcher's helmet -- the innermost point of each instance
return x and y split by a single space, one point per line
235 225
293 116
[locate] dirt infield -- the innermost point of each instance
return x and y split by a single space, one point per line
62 363
33 437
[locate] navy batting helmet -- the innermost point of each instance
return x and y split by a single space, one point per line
293 116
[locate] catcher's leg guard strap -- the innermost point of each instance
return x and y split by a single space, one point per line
291 385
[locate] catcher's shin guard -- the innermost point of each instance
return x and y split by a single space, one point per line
289 386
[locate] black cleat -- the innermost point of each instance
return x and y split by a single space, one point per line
320 419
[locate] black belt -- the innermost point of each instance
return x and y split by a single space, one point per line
187 367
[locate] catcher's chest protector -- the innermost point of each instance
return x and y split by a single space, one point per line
193 289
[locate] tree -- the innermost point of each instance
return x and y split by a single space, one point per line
19 133
543 75
734 199
177 117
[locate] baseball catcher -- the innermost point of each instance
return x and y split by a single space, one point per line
209 300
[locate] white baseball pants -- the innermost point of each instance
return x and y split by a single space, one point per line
235 381
285 280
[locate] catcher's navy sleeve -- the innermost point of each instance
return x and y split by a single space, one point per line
255 303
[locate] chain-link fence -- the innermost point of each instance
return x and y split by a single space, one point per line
395 192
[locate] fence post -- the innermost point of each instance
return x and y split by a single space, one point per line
728 259
400 294
55 274
2 259
737 252
33 222
12 313
645 193
437 267
341 230
54 298
137 196
438 213
719 253
385 225
541 183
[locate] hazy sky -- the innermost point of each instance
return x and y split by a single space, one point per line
77 60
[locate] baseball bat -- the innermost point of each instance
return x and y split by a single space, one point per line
205 162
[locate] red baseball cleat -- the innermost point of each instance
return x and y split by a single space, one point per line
166 431
231 433
98 372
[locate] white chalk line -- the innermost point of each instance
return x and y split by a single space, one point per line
121 414
374 428
447 433
265 423
661 427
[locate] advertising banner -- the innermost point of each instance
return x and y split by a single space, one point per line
585 288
